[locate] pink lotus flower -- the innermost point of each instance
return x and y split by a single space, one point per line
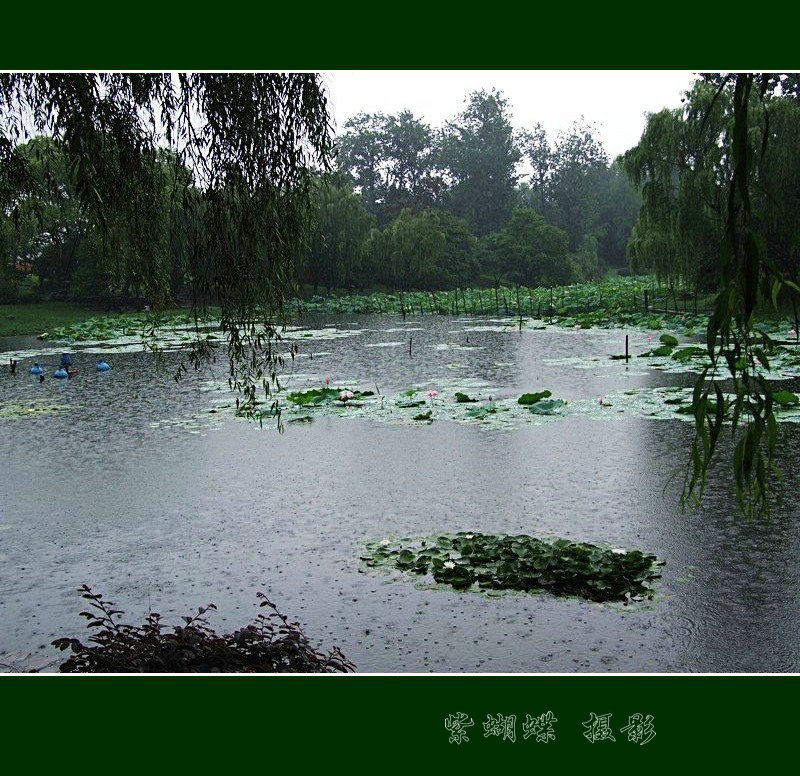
792 333
346 396
327 381
432 394
648 338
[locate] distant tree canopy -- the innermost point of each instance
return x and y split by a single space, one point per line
110 189
474 174
405 205
479 156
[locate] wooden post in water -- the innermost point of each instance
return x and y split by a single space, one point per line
402 306
409 345
627 356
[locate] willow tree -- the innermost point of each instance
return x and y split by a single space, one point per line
251 142
751 284
681 165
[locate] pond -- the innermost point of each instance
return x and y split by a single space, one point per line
157 495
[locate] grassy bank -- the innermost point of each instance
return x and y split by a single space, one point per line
40 317
61 320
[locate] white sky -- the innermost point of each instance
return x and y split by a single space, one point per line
616 101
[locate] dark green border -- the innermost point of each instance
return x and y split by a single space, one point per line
410 35
378 724
369 724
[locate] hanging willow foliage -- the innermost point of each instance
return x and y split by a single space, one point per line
750 286
234 154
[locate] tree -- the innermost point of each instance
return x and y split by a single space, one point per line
617 213
250 140
361 158
480 156
529 250
404 255
456 265
576 185
536 149
750 287
681 168
336 242
390 160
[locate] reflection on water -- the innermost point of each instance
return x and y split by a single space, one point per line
109 492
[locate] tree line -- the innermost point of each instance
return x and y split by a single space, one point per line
404 206
476 202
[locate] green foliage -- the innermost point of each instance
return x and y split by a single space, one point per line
199 175
463 398
683 166
39 317
100 327
314 396
480 155
392 161
505 562
334 256
750 285
684 354
785 398
547 406
528 250
405 254
664 350
532 398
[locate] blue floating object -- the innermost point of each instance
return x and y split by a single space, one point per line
102 366
60 373
36 369
66 359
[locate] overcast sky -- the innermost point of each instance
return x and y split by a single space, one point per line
615 101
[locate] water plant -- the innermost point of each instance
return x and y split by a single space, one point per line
474 560
315 396
532 398
547 407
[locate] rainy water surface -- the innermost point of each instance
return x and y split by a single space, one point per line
155 494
